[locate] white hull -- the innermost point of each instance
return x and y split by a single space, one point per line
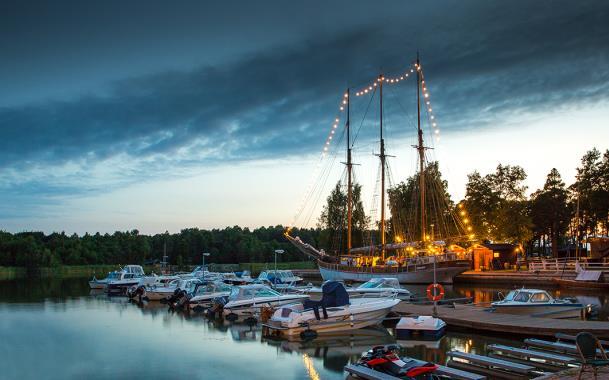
245 310
444 275
355 321
552 311
97 285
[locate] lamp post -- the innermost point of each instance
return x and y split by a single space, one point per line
277 251
205 254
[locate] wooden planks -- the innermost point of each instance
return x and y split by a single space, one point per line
488 362
525 353
477 318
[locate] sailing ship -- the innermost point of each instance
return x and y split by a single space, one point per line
426 258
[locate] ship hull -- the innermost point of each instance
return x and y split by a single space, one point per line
444 274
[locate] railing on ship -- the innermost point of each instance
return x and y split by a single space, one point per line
410 266
565 264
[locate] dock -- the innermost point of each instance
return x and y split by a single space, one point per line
477 318
512 277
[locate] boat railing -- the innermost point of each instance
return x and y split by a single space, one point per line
411 264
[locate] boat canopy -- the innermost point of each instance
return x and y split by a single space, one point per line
251 291
212 287
134 269
386 282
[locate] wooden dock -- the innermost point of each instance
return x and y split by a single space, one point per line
476 318
512 278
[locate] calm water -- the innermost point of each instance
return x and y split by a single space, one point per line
56 329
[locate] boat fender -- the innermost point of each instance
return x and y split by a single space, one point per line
308 334
435 292
250 321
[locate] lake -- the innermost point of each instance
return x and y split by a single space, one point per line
55 328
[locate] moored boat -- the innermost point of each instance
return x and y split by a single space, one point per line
130 275
338 313
537 302
376 287
430 235
420 327
248 300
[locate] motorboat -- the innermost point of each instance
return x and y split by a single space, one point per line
537 302
247 300
101 283
420 327
237 278
385 360
159 293
128 276
149 282
205 293
283 276
338 313
376 287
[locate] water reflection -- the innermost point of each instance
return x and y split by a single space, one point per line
74 333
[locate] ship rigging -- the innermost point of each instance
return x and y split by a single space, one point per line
416 246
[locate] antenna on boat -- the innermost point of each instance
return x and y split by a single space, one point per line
382 157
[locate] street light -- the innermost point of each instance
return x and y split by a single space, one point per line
277 251
205 254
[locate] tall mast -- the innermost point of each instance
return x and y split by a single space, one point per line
421 150
382 157
349 181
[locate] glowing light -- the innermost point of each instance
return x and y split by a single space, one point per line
346 95
342 108
462 213
426 95
308 363
437 131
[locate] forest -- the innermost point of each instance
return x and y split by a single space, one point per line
552 218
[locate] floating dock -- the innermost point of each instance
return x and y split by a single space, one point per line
477 318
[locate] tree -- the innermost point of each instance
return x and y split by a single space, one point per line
497 205
333 219
550 212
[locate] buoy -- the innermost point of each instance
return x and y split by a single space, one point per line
434 295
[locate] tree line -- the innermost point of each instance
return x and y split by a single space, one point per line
228 245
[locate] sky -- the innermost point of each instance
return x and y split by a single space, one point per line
161 116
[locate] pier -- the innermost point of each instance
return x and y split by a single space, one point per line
477 318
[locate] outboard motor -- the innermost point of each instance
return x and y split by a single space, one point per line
217 306
334 294
385 359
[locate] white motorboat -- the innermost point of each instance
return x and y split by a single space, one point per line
376 287
237 278
420 327
248 300
204 295
148 282
339 313
130 275
283 276
537 302
158 293
101 283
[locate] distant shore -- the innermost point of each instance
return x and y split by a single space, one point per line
8 273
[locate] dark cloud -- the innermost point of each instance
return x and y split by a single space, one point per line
483 61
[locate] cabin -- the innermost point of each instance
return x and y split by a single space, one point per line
495 256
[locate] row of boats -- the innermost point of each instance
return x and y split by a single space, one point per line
291 309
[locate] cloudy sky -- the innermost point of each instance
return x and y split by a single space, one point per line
161 116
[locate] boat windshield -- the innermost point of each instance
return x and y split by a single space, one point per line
372 284
522 297
510 295
113 275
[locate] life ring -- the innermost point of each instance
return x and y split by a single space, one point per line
432 295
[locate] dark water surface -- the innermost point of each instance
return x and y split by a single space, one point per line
55 329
